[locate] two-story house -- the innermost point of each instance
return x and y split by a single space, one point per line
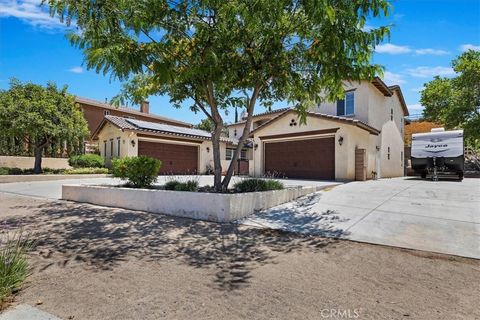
356 138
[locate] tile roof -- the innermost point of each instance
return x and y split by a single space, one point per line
96 103
351 121
152 127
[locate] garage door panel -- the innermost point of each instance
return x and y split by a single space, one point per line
306 159
176 158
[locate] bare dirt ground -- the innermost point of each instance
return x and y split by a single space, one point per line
100 263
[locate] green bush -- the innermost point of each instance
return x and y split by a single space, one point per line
4 171
18 171
86 161
86 171
253 185
140 172
188 185
13 262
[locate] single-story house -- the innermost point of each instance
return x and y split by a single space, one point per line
182 150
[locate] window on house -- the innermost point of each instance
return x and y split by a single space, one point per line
111 148
391 114
388 153
346 106
106 112
118 147
401 158
229 154
243 155
105 149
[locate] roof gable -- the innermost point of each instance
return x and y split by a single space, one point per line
349 121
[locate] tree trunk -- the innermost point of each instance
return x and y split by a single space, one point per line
37 168
217 163
243 138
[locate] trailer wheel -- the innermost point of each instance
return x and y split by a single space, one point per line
424 175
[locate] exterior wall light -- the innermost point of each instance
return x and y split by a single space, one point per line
132 142
340 140
208 149
255 146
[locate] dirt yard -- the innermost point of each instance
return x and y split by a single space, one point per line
98 263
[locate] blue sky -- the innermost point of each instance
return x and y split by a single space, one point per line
426 35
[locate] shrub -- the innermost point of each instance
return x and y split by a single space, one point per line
87 171
13 262
4 171
188 184
140 172
253 185
86 161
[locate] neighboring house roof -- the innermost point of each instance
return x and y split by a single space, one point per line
153 127
350 121
124 109
261 114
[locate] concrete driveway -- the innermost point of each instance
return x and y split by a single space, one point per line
441 216
53 189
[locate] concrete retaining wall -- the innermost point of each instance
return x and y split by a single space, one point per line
196 205
47 177
27 162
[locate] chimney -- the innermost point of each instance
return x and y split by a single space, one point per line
145 106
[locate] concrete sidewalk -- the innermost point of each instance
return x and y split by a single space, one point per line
26 312
441 216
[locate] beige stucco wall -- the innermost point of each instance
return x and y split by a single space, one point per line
373 108
28 162
353 137
110 131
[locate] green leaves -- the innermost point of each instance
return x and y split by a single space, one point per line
40 115
454 102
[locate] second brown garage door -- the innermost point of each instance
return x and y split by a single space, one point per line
176 158
303 159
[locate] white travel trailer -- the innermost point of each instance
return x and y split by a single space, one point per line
438 152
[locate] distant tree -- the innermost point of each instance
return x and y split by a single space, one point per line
455 102
206 124
220 54
40 116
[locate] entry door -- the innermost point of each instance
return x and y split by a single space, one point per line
360 165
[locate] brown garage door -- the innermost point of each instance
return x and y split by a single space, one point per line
304 159
176 158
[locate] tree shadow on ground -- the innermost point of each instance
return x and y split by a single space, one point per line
300 217
101 238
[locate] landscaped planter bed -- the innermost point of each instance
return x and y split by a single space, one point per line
217 207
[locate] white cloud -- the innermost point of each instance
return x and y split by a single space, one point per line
391 78
427 72
392 49
415 108
389 48
435 52
76 70
417 89
31 12
469 46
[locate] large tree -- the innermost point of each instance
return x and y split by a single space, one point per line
455 102
217 54
40 116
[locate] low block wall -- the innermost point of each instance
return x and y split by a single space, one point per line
196 205
28 162
47 177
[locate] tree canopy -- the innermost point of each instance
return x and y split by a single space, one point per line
216 54
455 102
41 116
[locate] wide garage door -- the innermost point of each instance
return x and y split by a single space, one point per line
303 159
176 158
